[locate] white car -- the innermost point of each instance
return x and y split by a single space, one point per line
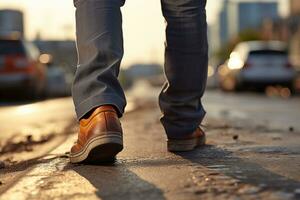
57 84
257 64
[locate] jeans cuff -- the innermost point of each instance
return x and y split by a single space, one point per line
100 100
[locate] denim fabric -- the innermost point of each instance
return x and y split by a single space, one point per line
100 51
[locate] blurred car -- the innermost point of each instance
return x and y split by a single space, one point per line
211 78
257 64
20 68
58 83
153 73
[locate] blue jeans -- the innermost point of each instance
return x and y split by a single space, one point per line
100 51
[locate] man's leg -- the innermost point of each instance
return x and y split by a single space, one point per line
100 50
98 97
186 61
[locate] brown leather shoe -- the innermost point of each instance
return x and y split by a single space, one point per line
196 139
100 137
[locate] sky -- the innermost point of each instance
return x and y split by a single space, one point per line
54 19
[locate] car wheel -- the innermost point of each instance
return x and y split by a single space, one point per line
31 94
291 87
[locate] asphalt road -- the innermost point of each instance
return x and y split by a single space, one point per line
252 153
35 118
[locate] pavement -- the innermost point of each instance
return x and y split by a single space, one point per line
252 152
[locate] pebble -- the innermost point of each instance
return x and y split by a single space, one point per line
200 191
262 185
235 137
276 138
29 138
213 173
2 164
249 190
291 129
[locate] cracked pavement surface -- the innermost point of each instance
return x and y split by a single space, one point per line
252 152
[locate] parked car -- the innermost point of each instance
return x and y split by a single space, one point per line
257 64
211 78
20 68
58 81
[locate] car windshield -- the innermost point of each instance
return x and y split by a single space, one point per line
268 57
268 53
11 47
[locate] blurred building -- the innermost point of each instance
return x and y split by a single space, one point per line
294 32
223 23
11 21
288 30
213 39
294 7
295 49
63 52
239 15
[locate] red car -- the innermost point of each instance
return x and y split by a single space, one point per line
20 68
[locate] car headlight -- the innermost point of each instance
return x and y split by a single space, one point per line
210 71
235 62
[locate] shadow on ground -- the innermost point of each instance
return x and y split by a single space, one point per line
117 182
240 169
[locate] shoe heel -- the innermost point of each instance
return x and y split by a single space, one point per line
105 153
181 145
174 145
100 150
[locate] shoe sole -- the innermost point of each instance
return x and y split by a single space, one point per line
101 149
185 145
